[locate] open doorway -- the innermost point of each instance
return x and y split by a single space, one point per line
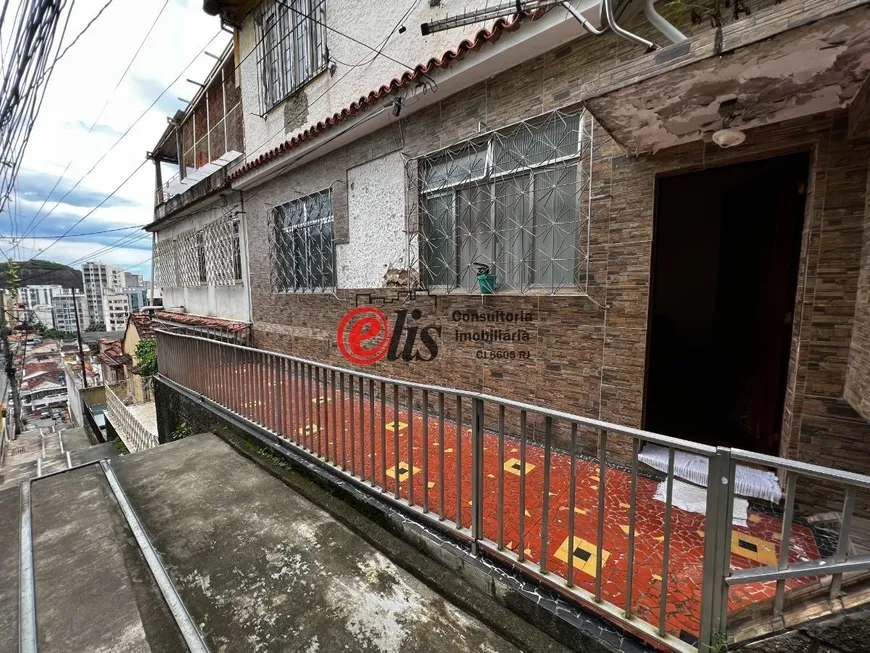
725 262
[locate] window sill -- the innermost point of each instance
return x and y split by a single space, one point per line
534 292
304 291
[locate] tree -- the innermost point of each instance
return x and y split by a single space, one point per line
146 357
97 326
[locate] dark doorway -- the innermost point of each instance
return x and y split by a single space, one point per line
725 258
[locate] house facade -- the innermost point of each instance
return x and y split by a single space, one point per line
645 265
201 253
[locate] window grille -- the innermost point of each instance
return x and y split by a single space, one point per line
292 46
516 200
301 245
199 257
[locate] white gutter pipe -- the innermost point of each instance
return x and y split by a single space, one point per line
658 21
589 27
611 22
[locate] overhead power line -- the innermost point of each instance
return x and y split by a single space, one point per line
106 104
23 90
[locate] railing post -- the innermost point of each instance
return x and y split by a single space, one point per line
717 550
476 473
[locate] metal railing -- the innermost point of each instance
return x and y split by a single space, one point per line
531 486
131 431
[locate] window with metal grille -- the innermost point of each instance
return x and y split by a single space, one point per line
516 201
200 257
208 256
301 245
237 251
292 46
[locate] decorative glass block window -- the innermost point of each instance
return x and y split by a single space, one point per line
301 244
516 200
291 46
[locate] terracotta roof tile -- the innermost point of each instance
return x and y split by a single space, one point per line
143 323
200 321
482 37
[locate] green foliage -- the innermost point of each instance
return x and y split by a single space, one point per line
700 11
54 334
11 275
182 431
146 357
120 446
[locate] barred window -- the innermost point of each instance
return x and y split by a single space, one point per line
292 46
516 201
301 244
198 257
237 251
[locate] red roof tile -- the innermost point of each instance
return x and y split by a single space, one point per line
144 325
367 101
200 321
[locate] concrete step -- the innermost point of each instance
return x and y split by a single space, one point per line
93 589
10 520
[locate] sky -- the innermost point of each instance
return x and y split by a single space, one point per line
76 128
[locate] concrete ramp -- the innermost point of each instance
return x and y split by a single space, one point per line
190 546
262 569
93 590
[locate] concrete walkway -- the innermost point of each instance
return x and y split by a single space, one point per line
262 569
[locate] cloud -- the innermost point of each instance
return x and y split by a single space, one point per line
87 87
35 187
94 129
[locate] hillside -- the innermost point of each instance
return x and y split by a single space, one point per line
46 273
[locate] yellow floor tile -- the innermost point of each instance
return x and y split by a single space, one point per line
753 548
585 555
320 400
625 506
624 529
754 518
311 429
391 424
430 484
512 466
404 471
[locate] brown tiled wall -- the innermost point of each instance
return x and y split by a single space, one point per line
587 354
858 375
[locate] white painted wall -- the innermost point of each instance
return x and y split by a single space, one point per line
226 302
376 215
371 23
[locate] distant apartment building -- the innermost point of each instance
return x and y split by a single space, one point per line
137 296
63 312
40 295
36 300
100 279
133 280
116 310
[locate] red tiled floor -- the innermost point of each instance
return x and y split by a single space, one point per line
310 421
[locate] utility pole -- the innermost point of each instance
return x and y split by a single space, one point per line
79 338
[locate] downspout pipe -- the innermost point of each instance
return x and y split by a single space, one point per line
624 33
658 21
589 27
